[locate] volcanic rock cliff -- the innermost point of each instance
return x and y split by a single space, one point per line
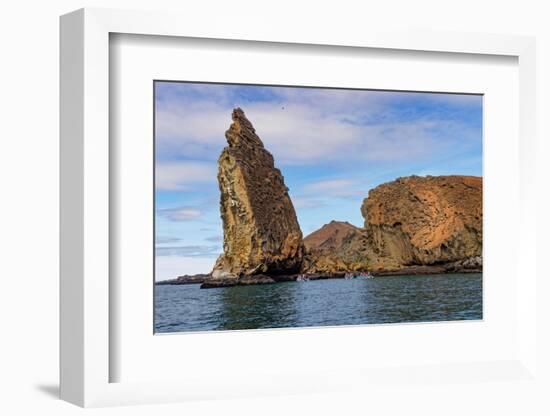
335 247
261 231
423 221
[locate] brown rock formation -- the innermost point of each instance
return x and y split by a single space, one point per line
185 279
261 231
335 247
330 236
258 279
423 221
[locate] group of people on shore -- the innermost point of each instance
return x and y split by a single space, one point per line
366 275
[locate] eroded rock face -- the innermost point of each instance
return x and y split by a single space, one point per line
335 247
261 231
423 221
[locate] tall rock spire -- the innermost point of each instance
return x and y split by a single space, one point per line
261 231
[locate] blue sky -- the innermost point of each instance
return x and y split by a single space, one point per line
331 145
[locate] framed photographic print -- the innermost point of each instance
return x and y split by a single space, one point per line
274 213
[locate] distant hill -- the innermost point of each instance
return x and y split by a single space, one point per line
335 247
330 235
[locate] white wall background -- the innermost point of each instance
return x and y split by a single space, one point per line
29 207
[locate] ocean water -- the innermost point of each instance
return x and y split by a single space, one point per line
391 299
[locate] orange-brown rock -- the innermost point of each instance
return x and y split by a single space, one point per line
261 231
423 221
335 247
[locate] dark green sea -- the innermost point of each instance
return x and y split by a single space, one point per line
393 299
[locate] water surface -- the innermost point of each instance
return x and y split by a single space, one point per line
392 299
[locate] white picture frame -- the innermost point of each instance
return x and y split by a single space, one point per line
86 262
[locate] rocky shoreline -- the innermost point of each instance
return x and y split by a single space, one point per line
470 265
185 280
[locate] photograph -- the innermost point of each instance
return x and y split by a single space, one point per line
300 206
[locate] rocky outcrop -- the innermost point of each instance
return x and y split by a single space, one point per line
185 280
469 265
423 221
261 231
335 247
259 279
413 225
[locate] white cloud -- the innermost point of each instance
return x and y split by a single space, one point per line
189 251
202 121
296 134
458 100
301 134
166 240
180 214
322 125
335 188
170 267
181 176
302 202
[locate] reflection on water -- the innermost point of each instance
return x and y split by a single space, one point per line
319 303
254 307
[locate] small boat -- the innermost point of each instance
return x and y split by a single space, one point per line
364 276
302 278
